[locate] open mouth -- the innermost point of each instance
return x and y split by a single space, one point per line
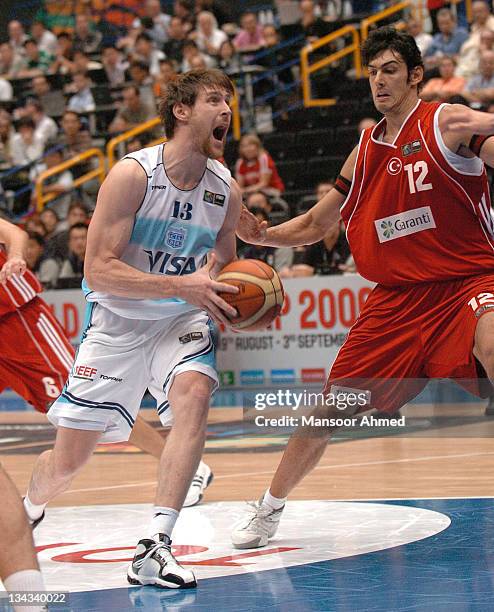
219 133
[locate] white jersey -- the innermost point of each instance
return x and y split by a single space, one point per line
174 230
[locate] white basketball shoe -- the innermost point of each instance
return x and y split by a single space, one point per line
257 527
201 481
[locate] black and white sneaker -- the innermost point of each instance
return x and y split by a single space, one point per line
155 564
201 481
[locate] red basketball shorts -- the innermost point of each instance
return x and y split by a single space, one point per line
35 355
404 336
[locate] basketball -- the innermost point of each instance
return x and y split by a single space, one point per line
260 296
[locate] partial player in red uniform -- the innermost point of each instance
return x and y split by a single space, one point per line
19 569
415 201
35 355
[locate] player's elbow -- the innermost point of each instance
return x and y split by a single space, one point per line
94 274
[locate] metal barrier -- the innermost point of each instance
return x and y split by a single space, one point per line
308 69
395 8
98 172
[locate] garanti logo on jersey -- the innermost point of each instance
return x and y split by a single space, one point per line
214 198
404 224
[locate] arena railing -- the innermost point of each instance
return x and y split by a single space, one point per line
307 69
113 151
97 172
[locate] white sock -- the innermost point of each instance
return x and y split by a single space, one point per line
163 521
32 510
275 503
24 580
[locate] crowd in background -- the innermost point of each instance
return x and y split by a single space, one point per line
69 82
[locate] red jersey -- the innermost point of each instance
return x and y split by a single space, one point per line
251 171
416 211
19 290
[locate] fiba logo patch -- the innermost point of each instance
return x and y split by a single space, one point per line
394 166
387 228
175 238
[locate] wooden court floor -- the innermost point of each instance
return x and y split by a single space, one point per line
458 461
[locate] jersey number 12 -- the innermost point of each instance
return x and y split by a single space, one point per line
416 183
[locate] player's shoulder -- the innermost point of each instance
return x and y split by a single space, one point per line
219 170
149 158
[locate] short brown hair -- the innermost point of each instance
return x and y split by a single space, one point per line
185 89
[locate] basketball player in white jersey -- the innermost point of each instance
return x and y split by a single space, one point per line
160 212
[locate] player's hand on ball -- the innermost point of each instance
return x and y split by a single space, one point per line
14 266
249 229
201 290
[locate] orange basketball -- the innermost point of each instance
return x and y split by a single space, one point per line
260 296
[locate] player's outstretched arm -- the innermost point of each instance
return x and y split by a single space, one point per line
15 241
304 229
109 233
459 124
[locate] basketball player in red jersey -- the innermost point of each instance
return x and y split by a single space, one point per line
35 355
415 201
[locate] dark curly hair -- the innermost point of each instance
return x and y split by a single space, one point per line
386 38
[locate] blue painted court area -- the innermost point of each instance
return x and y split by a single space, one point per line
451 571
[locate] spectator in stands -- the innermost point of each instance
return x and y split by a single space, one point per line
50 220
46 128
86 37
154 22
446 86
208 36
83 63
45 269
36 61
328 256
184 9
274 206
250 36
139 74
59 185
308 201
64 56
114 65
132 112
173 48
34 225
26 146
482 24
146 53
228 59
278 258
10 62
423 39
47 41
52 101
277 58
479 90
255 169
166 75
365 123
313 26
6 135
6 91
72 267
17 37
57 247
447 41
75 137
82 101
191 51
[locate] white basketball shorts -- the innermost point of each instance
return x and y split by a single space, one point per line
119 358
